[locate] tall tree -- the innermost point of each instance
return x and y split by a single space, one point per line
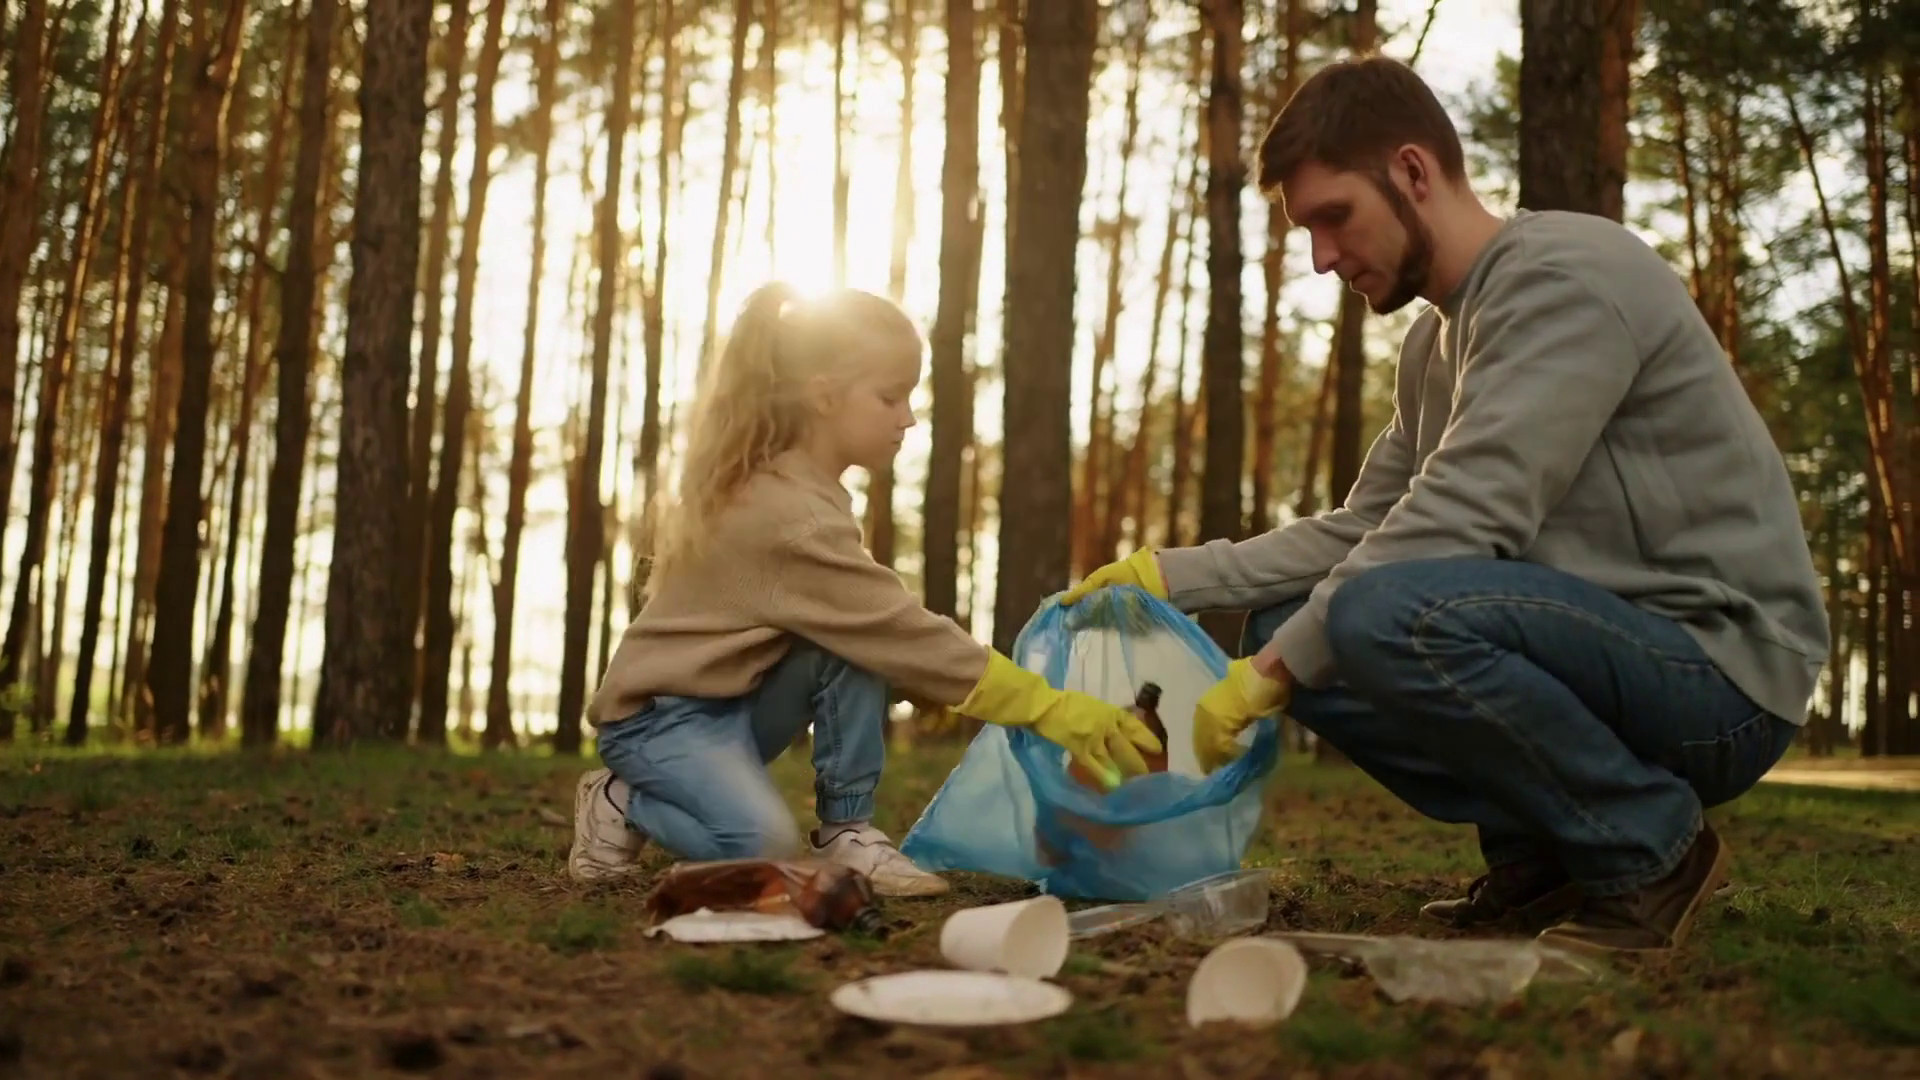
438 651
499 729
646 453
215 670
729 154
56 369
361 687
1561 45
1350 354
20 193
586 531
416 529
137 197
1034 542
1221 508
880 484
960 214
170 669
1273 276
293 362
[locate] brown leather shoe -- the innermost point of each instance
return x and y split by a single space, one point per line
1536 891
1653 919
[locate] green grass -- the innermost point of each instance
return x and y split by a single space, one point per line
294 910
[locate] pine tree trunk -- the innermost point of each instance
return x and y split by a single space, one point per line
1221 511
1350 364
163 409
216 671
361 688
137 198
960 214
170 668
1181 438
646 461
1273 275
293 361
56 371
586 531
1560 105
438 658
1619 25
729 153
417 529
1088 524
20 194
1035 513
880 524
499 729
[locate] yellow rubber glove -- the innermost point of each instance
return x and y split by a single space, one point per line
1226 709
1104 739
1140 568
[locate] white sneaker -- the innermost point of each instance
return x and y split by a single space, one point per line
603 845
868 850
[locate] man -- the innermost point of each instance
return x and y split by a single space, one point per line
1569 599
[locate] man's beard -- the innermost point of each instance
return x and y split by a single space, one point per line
1416 262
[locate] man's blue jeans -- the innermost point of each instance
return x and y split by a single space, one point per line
698 771
1558 718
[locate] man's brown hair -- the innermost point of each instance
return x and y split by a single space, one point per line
1350 115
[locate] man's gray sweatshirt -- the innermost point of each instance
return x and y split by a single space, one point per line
1566 405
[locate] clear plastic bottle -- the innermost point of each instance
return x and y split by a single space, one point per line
826 895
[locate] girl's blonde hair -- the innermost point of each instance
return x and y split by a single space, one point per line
753 402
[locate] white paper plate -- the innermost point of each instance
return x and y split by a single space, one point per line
708 926
952 998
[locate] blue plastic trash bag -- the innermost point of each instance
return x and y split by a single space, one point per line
1011 808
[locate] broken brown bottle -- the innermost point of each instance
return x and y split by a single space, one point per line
826 895
1146 705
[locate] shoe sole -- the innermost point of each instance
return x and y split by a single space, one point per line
1717 876
1537 915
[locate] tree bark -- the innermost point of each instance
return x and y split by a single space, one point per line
880 482
499 729
1560 104
361 687
260 697
215 671
130 259
1273 276
960 214
416 531
56 369
1221 509
170 668
20 194
438 650
729 152
1035 512
586 531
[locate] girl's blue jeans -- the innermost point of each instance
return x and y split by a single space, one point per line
698 767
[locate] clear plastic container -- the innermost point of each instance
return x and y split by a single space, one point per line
1094 921
1219 906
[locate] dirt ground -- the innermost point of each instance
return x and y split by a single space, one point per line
386 912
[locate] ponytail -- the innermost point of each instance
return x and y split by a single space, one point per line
752 404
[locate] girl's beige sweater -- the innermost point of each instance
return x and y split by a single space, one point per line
785 561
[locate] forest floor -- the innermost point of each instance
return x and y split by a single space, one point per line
385 912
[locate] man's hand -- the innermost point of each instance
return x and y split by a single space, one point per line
1224 711
1140 569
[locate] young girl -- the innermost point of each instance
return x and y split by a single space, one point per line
765 613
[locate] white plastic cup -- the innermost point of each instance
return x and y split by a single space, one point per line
1255 980
1026 937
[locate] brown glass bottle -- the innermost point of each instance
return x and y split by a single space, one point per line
827 895
1146 705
